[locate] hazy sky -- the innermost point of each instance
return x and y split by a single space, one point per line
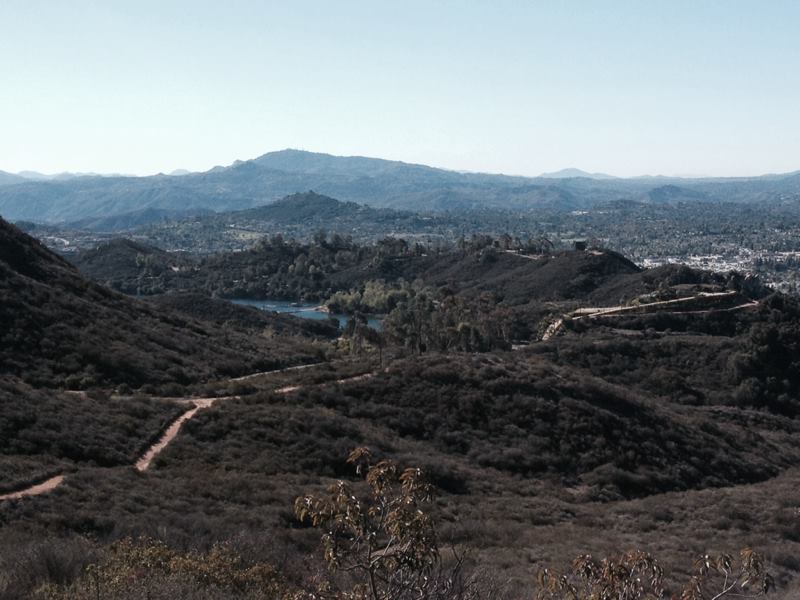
517 87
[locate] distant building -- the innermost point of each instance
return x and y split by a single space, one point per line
579 245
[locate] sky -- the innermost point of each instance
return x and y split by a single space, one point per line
622 87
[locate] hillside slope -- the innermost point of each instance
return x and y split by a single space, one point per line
279 268
59 329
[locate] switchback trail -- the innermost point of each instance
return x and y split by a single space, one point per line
591 313
144 462
621 311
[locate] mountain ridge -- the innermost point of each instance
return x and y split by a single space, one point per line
376 182
10 178
571 172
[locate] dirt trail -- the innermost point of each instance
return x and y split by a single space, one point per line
172 431
197 404
283 370
552 329
583 313
287 390
621 311
526 256
293 388
704 311
35 490
354 378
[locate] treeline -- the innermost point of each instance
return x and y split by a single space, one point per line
275 268
441 321
281 268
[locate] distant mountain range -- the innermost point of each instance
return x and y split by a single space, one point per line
571 172
10 178
370 181
36 176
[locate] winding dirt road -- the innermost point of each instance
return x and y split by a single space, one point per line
197 404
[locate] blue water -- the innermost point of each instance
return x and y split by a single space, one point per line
304 310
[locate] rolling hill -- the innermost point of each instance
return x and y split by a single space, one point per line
299 216
666 430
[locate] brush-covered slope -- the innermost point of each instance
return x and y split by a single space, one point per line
129 266
519 279
44 432
61 329
528 417
281 269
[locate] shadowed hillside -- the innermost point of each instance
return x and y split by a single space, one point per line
61 330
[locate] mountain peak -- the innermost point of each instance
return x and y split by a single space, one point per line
571 172
304 161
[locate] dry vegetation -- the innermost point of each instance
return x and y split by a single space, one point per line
670 434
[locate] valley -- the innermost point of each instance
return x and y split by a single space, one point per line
399 301
560 401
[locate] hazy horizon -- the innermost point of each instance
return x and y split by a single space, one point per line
621 88
181 171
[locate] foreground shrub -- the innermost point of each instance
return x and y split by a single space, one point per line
637 575
379 543
149 569
384 543
387 540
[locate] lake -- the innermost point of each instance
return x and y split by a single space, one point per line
304 310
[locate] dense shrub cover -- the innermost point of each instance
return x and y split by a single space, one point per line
60 330
661 428
45 432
